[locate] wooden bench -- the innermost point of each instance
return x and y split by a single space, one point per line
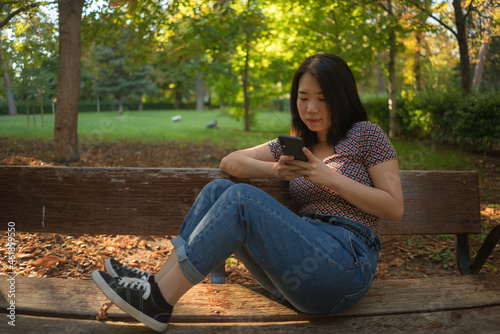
153 201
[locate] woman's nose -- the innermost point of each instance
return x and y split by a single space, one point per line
312 107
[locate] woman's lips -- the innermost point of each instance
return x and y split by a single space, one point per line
313 120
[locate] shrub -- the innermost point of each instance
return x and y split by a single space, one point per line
377 108
475 121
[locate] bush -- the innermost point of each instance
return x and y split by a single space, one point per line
423 115
21 107
377 108
476 121
444 116
472 121
91 106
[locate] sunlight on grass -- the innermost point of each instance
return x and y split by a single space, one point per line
157 126
153 126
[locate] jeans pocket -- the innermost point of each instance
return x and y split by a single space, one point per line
351 299
357 249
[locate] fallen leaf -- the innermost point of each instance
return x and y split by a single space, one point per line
397 262
45 262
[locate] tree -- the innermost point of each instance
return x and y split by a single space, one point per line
6 80
463 45
119 78
461 21
68 81
9 10
252 21
483 50
392 73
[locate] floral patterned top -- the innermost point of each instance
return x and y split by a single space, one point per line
365 145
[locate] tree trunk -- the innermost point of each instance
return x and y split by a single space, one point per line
34 111
246 78
416 65
141 104
380 73
483 52
120 106
200 96
178 98
6 80
68 81
392 77
41 106
245 88
98 104
463 46
27 112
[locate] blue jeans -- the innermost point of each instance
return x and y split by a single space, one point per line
319 267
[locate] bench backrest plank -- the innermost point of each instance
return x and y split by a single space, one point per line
154 201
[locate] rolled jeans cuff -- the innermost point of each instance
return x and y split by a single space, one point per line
193 275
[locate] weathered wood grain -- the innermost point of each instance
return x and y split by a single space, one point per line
438 202
55 297
154 201
482 320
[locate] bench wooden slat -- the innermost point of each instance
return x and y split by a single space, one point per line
483 320
57 297
154 201
438 202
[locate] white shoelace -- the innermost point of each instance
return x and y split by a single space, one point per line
145 274
137 284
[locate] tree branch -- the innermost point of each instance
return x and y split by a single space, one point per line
438 20
381 4
14 13
469 10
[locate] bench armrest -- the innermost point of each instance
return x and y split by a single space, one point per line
463 255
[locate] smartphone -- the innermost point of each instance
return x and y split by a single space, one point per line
292 146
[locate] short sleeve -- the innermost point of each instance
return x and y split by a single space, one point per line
275 148
376 146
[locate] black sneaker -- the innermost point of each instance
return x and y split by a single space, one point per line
133 295
116 269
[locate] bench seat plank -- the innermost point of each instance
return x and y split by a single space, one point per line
154 201
57 297
486 320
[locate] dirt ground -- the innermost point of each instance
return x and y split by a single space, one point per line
76 256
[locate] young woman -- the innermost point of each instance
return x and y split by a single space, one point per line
323 259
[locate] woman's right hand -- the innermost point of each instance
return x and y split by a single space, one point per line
285 171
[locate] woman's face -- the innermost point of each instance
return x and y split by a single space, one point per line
312 106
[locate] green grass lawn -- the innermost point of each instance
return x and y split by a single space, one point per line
155 126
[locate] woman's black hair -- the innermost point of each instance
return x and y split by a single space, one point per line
339 89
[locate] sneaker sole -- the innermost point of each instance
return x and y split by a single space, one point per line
126 307
109 269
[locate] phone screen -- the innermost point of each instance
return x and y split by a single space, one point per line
292 146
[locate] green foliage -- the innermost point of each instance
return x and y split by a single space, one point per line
476 121
423 114
175 44
473 121
377 108
443 116
120 79
442 256
414 241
